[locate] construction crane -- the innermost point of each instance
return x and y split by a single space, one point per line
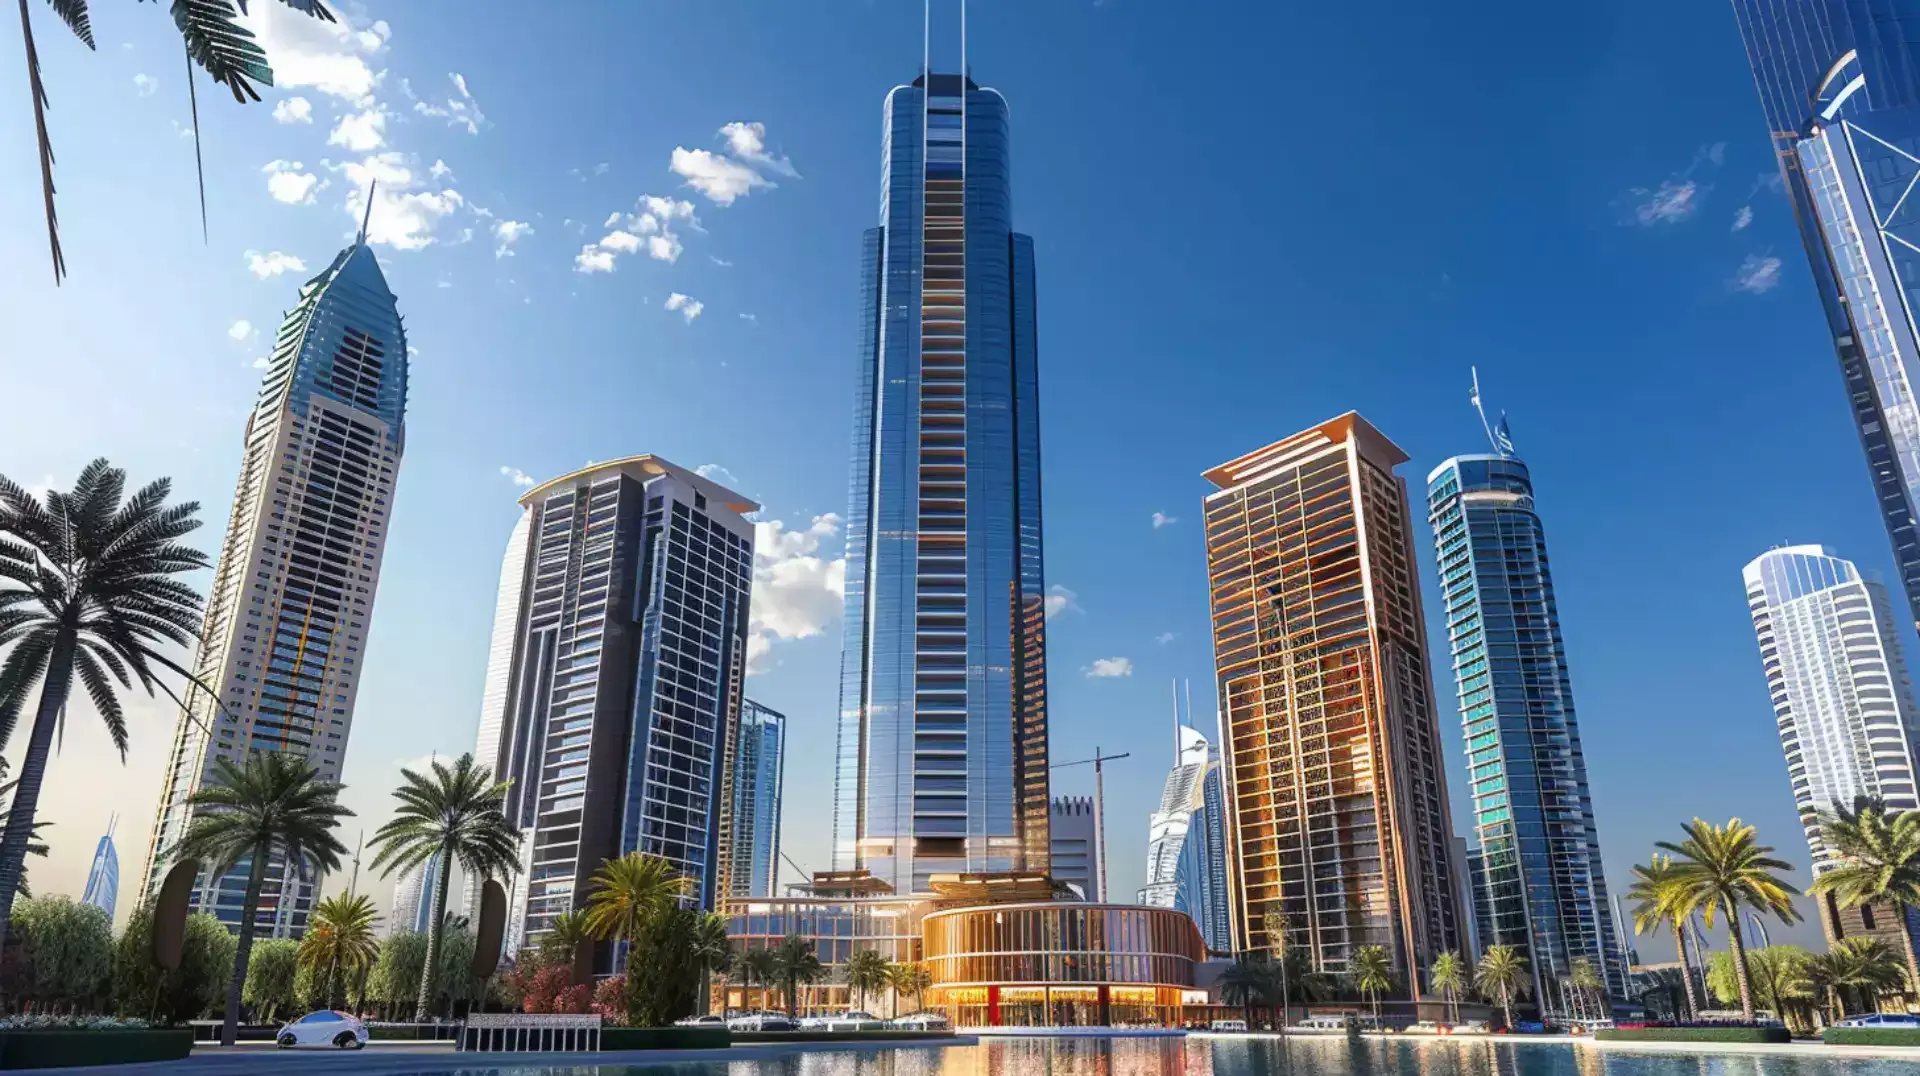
1099 814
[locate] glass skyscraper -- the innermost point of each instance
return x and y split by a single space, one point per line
1187 841
759 769
285 635
1839 82
1539 884
103 877
622 697
942 753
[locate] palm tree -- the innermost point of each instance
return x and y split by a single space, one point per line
911 980
1502 973
1372 972
1448 974
1585 981
1879 853
1722 870
214 40
457 813
87 590
630 892
761 964
340 936
866 970
1870 966
38 845
1660 899
276 805
798 964
1243 983
713 951
1824 976
565 935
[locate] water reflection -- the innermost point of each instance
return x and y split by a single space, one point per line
1251 1056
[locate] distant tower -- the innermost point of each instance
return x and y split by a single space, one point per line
1075 849
103 878
758 773
285 637
413 898
496 694
1187 840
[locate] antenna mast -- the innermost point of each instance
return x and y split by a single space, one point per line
367 218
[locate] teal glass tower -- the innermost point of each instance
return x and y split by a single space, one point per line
1537 880
942 751
1839 84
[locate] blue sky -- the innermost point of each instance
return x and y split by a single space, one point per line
1248 218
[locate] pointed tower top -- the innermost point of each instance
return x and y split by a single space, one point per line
367 217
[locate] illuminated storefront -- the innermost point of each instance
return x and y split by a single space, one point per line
1060 964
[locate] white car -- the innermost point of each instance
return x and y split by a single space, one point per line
761 1021
709 1020
851 1020
1881 1019
921 1021
327 1027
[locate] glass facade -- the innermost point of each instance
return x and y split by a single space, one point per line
103 877
495 693
1187 842
1338 830
625 693
942 759
1539 884
838 927
292 593
1839 83
758 771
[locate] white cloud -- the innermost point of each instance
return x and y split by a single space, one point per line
361 132
1758 274
717 473
797 592
1165 637
508 232
719 178
288 183
748 141
240 330
754 318
439 169
592 259
517 476
721 262
688 306
1059 599
1675 201
624 242
1161 519
144 85
272 264
404 215
293 110
460 110
261 363
330 57
1107 668
1717 153
1742 217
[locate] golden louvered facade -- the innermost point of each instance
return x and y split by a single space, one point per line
1338 828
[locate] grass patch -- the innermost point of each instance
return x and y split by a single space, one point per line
1694 1034
1872 1036
67 1049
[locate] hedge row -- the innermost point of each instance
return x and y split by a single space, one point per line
1872 1036
67 1049
665 1038
1694 1034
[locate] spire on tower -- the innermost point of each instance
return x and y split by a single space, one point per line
367 217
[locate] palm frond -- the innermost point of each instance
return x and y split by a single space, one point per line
222 47
306 7
74 14
40 104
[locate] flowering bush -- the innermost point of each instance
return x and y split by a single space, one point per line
545 988
573 1000
610 999
40 1021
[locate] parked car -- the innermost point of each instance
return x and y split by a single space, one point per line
1425 1027
1881 1019
762 1021
921 1021
709 1020
1469 1027
1227 1025
328 1027
851 1020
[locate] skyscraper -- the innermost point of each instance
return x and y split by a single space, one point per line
1533 815
758 775
1839 82
1074 846
942 753
1841 694
1187 840
287 612
624 693
1336 799
413 898
495 695
103 877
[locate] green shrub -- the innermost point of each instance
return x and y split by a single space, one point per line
67 1049
665 1038
1695 1034
1872 1036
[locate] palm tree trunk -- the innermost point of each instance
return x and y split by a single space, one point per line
1740 964
1686 966
1906 931
33 769
243 949
427 993
1506 1005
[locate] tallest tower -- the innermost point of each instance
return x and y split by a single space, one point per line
1839 81
942 755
